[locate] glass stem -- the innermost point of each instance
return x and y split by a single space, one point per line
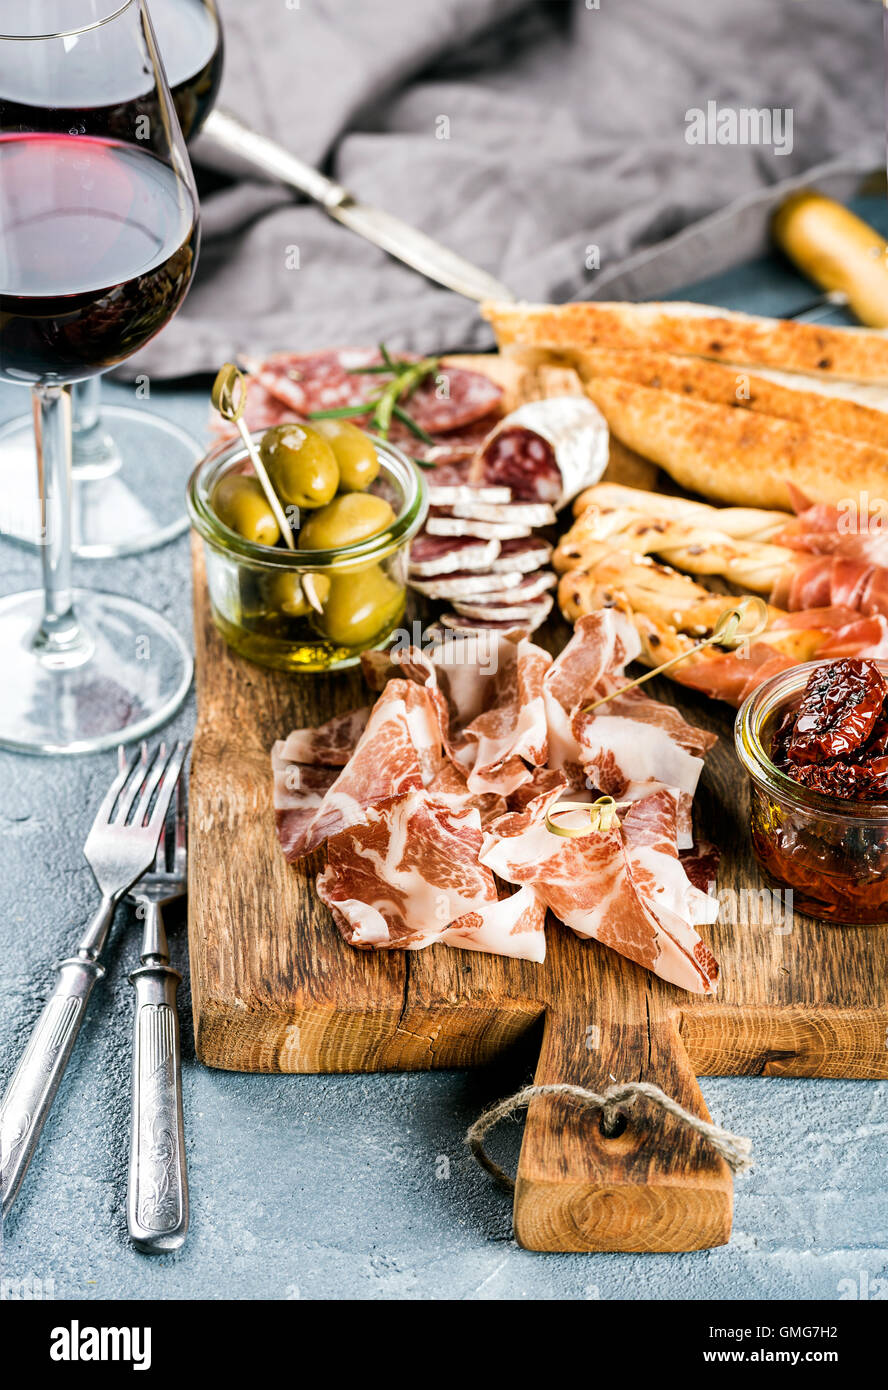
95 453
59 639
87 399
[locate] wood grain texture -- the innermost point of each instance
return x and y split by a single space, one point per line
275 989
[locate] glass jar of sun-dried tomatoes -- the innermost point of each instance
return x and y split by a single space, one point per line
832 852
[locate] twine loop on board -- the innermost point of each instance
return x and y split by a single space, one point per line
735 1149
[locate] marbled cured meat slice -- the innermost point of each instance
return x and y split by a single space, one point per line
299 792
509 736
332 743
514 926
524 555
602 885
450 787
405 873
399 750
434 555
465 583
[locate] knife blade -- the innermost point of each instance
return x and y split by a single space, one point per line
391 234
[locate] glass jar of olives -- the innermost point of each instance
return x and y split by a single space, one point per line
354 502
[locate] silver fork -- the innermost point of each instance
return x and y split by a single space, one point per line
119 848
157 1191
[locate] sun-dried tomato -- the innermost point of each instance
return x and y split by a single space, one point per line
835 741
840 708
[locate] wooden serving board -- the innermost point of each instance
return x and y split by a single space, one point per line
275 989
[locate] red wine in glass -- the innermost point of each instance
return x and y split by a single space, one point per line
97 246
190 40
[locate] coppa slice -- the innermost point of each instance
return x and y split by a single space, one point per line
525 555
514 926
403 875
399 750
433 555
601 885
331 744
467 582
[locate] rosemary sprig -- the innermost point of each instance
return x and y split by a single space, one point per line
401 414
406 376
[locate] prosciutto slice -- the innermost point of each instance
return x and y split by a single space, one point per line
625 887
332 743
399 750
436 824
406 873
514 926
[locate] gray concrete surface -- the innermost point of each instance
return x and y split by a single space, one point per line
359 1186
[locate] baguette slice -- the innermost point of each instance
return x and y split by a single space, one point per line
701 380
698 330
738 456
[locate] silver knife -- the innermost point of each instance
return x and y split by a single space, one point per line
407 244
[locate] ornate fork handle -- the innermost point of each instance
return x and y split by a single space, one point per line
157 1195
36 1079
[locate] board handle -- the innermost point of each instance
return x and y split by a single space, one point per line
655 1184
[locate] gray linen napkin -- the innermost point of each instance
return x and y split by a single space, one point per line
546 140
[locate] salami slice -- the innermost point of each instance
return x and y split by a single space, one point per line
433 555
523 555
514 588
450 495
452 399
465 584
305 382
438 525
546 451
457 623
533 613
514 513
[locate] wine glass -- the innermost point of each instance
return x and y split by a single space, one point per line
130 465
98 242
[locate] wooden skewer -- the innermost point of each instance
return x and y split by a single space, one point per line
230 404
727 632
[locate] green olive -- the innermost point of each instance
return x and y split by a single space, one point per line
351 517
355 454
241 505
301 464
361 606
286 593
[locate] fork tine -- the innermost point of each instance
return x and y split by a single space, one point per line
160 858
124 767
181 852
135 784
167 785
149 786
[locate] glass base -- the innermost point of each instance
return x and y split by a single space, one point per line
128 494
130 675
